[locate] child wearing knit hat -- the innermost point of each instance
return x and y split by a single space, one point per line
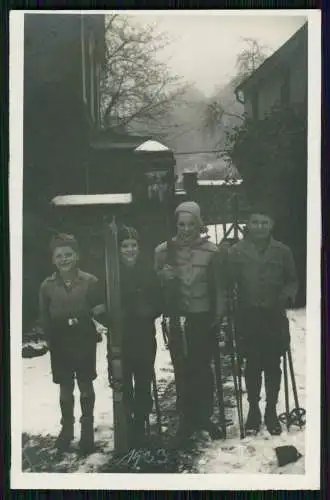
141 304
197 271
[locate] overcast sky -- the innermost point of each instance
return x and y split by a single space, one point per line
205 46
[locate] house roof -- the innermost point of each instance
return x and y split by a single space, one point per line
152 146
110 140
279 60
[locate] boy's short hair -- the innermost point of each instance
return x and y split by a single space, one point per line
63 240
262 209
127 233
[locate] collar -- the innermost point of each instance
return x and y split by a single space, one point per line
253 247
196 243
58 278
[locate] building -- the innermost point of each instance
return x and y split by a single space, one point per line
281 79
276 152
63 57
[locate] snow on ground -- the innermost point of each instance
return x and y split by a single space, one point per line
41 420
41 412
256 454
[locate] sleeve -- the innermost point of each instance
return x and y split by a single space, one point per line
96 300
94 293
290 288
217 270
44 315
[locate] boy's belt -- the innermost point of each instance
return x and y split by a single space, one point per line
73 321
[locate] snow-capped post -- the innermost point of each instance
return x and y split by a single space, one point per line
109 202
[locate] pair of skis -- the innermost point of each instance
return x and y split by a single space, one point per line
113 298
235 369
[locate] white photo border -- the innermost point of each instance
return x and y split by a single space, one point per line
92 481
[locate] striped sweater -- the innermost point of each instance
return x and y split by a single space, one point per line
199 269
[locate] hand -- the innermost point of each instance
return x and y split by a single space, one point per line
168 272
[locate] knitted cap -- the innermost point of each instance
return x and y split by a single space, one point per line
190 207
127 233
64 240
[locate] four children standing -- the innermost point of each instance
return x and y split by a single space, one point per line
260 269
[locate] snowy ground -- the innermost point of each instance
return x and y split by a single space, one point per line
41 419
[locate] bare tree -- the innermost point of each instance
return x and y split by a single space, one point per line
251 57
136 86
247 61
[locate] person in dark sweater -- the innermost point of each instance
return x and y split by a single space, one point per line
141 305
67 301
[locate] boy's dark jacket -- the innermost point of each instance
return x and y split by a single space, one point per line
141 292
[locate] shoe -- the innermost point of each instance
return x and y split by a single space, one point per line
139 435
86 443
253 421
184 432
213 430
271 421
65 437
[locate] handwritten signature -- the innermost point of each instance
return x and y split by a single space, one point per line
136 458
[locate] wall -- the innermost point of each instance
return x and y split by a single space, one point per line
56 137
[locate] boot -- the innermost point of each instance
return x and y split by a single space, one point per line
185 430
67 431
253 380
272 384
86 443
139 431
213 430
253 421
271 420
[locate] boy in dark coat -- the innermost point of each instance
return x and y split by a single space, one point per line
264 273
141 305
67 302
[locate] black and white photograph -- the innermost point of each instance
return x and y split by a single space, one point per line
165 229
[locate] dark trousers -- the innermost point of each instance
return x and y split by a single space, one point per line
139 352
263 339
191 353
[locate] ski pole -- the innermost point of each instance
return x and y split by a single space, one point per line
293 380
236 369
157 407
238 391
164 331
219 387
240 402
286 392
297 414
